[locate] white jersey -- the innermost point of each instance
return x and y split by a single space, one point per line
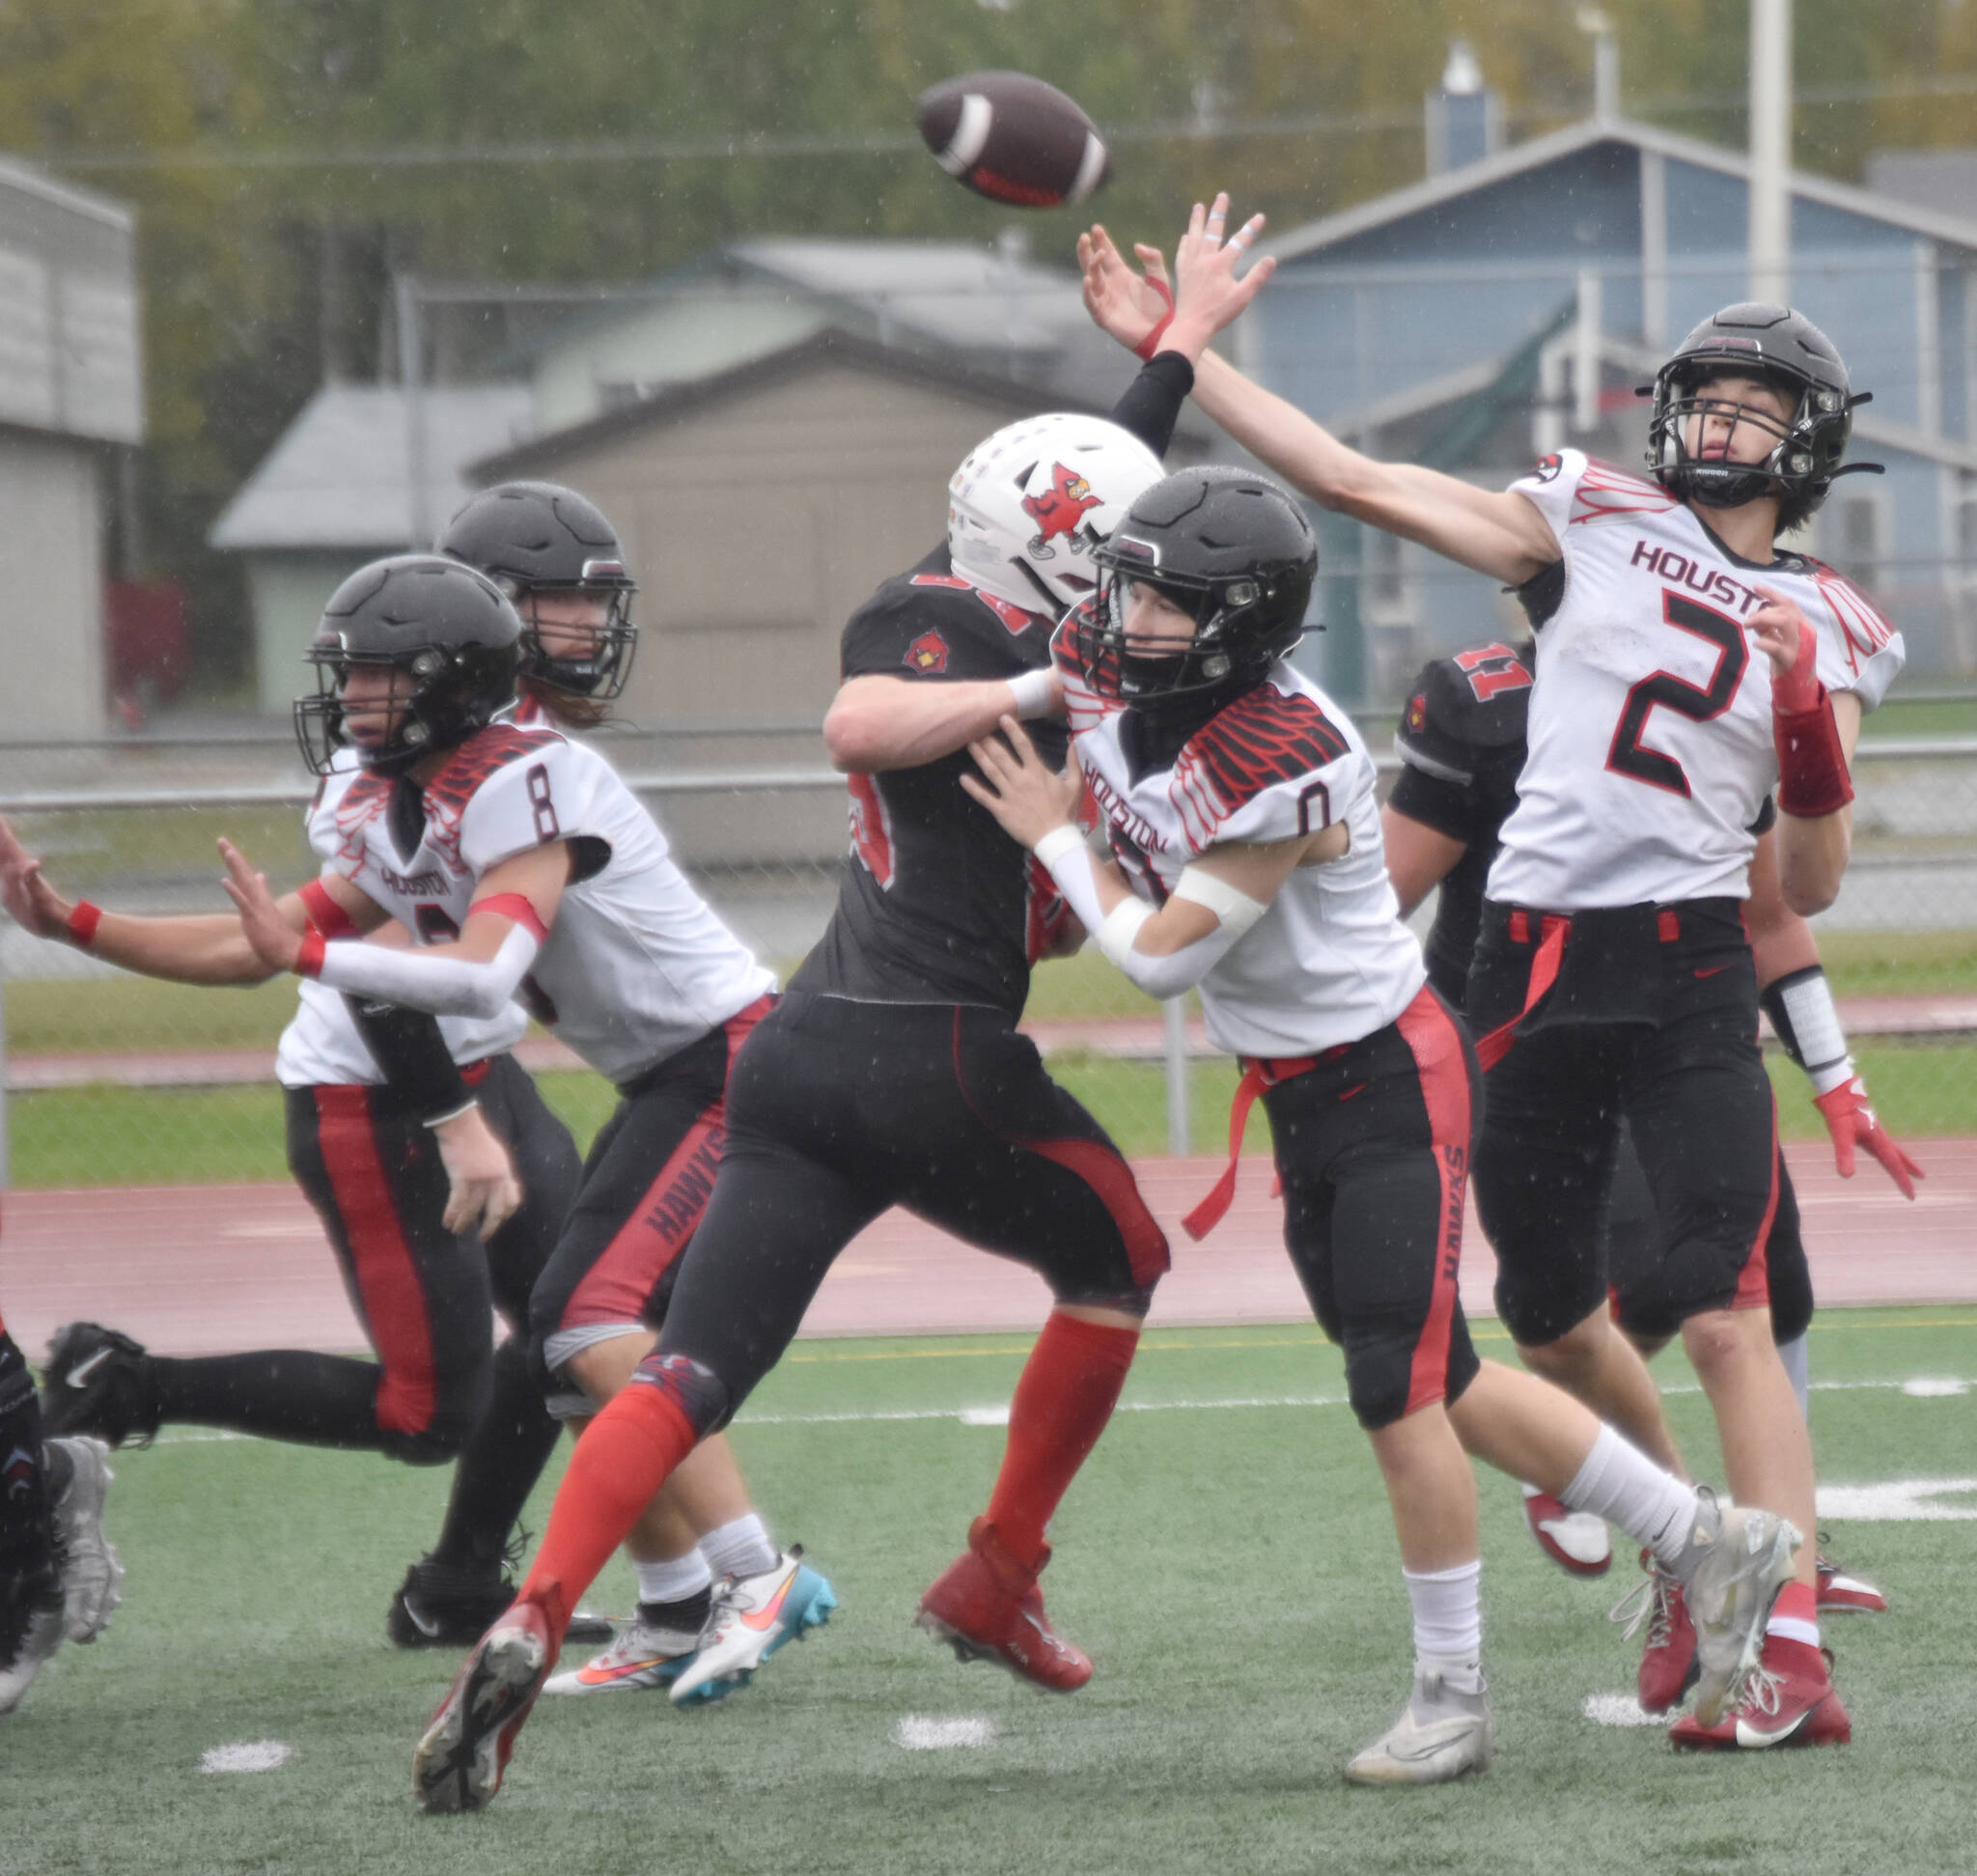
1651 745
635 966
1330 961
322 1044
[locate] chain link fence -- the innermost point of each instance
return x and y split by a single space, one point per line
115 1080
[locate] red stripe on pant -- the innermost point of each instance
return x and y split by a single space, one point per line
1436 1045
616 1287
393 1298
1754 1281
1105 1173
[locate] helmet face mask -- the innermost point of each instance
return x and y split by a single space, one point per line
449 636
540 538
1229 548
1773 346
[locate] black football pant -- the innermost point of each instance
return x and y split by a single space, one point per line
839 1109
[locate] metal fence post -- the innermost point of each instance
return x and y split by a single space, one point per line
1174 1018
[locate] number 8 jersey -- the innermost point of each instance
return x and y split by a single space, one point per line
636 965
1651 748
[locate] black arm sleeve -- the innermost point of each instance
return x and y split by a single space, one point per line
418 1067
1151 405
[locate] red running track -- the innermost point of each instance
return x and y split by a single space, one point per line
194 1270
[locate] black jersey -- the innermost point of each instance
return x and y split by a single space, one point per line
1461 743
938 904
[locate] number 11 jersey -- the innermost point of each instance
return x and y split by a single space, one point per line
1651 747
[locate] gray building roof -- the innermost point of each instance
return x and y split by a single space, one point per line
540 454
340 476
1936 222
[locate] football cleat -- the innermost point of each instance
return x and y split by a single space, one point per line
752 1617
1576 1541
92 1576
1441 1734
1788 1698
459 1759
1668 1660
443 1605
31 1630
1841 1593
645 1655
99 1383
986 1606
1738 1560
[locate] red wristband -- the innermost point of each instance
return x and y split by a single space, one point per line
325 916
515 906
309 959
1812 766
83 921
1151 344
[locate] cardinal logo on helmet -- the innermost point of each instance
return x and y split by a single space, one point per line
1059 510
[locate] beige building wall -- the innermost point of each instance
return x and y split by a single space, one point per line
756 526
51 523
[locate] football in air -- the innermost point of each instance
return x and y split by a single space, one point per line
1013 138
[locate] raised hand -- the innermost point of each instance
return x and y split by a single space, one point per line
31 902
1021 790
276 941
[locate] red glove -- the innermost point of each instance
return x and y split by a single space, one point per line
1852 1123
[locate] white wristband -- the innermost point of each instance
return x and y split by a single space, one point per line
467 1106
1236 910
1834 1075
1815 1022
1034 692
1057 843
1120 927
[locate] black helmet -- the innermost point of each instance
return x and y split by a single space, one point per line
1785 349
535 536
451 629
1234 552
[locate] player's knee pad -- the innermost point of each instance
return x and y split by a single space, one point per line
700 1394
1540 1312
1128 1302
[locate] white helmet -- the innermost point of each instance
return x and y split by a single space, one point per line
1032 501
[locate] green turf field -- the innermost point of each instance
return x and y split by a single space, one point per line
1226 1556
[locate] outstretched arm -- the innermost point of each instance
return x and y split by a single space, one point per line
204 948
513 908
1496 533
878 722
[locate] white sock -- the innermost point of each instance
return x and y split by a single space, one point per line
1798 1365
673 1580
1626 1487
1448 1624
739 1547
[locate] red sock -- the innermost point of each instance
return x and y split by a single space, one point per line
627 1452
1069 1388
1795 1615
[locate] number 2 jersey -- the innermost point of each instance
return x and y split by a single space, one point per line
1650 741
635 966
1329 962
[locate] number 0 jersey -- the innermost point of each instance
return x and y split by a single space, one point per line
636 965
1650 749
1330 961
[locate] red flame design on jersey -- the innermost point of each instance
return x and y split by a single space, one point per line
480 756
1862 629
1267 735
1604 491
